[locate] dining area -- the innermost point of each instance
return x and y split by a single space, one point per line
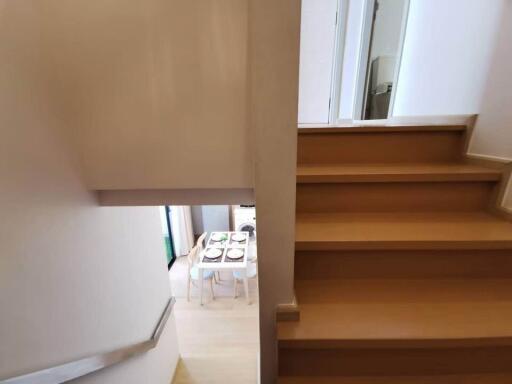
215 281
225 257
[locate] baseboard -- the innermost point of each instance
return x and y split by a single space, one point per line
176 367
288 311
505 187
497 159
505 213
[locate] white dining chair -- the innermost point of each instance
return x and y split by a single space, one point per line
201 245
238 277
252 249
252 268
193 272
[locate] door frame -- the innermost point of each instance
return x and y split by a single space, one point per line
401 43
338 58
363 59
362 62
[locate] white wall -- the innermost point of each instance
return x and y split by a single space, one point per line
75 278
317 37
446 56
215 217
210 218
197 219
493 130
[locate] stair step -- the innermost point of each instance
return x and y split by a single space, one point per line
422 230
399 313
370 327
438 379
372 145
351 173
394 197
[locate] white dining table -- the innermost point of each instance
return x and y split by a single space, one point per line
224 265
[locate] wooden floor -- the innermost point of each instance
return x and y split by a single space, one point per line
218 342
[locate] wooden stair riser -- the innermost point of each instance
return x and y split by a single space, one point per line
380 147
394 197
354 362
403 264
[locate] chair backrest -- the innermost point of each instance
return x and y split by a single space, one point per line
192 256
200 242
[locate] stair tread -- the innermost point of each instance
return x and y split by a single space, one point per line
494 378
324 173
421 230
400 312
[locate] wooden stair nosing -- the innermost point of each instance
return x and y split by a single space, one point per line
395 173
382 129
395 344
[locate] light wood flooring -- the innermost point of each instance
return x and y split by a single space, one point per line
219 341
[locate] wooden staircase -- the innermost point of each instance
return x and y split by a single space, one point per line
403 269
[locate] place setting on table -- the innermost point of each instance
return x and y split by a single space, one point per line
213 255
225 246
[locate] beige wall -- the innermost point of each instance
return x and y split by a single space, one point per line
152 95
493 130
154 91
75 278
274 66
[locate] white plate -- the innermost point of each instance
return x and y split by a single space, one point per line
213 253
238 237
217 236
235 253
